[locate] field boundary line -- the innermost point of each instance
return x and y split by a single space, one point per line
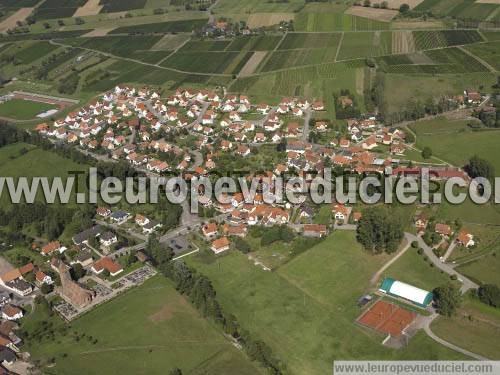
477 58
279 43
338 47
140 62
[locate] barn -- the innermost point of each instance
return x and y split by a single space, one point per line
417 296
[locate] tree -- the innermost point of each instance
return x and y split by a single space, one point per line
366 3
46 288
447 298
489 294
478 167
175 371
242 245
384 4
427 153
404 8
77 272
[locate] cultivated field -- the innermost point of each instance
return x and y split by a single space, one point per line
256 6
305 21
11 21
365 44
384 15
252 63
150 329
489 52
395 4
402 42
90 8
256 20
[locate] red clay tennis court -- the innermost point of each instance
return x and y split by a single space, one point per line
387 317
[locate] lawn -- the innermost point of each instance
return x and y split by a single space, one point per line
305 311
22 160
400 89
19 109
411 268
476 327
148 330
483 270
455 143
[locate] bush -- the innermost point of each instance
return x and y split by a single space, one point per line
241 245
489 294
414 244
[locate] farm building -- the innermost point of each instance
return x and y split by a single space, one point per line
413 294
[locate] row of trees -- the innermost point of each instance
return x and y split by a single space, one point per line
201 293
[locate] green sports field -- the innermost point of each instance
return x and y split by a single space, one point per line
19 109
148 330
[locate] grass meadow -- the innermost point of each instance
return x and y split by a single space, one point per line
148 330
306 309
475 327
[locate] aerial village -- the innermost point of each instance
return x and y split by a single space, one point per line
143 128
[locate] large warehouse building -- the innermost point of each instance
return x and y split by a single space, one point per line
399 289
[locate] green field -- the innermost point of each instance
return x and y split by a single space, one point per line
475 328
445 38
148 330
306 310
24 160
57 8
28 53
255 6
400 89
365 44
489 52
19 109
484 269
254 43
327 21
411 268
467 9
456 144
203 62
162 27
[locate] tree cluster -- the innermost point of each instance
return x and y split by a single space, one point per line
447 299
379 230
489 294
